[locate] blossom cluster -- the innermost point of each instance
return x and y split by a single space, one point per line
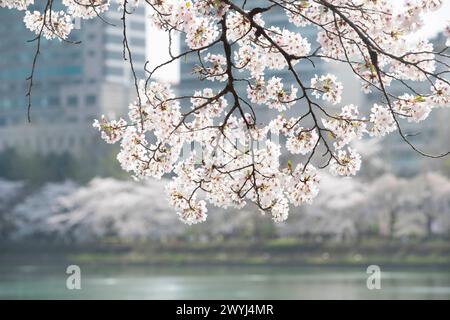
51 24
235 159
16 4
58 24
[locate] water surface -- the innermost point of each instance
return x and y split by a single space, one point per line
145 282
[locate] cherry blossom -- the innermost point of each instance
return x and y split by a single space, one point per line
303 141
201 33
56 25
16 4
440 93
223 147
327 87
86 9
415 109
346 163
303 185
215 70
347 127
277 97
382 120
111 131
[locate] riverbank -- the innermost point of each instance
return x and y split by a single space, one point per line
291 252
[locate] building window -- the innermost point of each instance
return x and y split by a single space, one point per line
139 11
72 119
91 100
112 71
72 101
115 55
7 103
54 101
137 25
139 57
43 102
134 41
113 38
75 55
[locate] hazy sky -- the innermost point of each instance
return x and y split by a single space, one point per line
158 41
435 21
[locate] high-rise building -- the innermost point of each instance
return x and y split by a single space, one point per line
73 83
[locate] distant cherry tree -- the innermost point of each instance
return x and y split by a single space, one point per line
236 162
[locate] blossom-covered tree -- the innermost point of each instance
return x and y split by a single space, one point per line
105 208
236 162
10 192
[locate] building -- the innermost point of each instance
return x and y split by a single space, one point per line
73 84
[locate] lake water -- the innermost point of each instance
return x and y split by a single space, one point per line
143 282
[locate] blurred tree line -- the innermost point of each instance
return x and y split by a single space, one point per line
37 168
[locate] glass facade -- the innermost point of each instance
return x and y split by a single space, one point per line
62 65
72 84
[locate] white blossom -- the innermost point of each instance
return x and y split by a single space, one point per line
111 131
303 185
16 4
234 162
440 93
346 127
302 141
415 109
382 120
86 9
327 87
56 25
345 163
